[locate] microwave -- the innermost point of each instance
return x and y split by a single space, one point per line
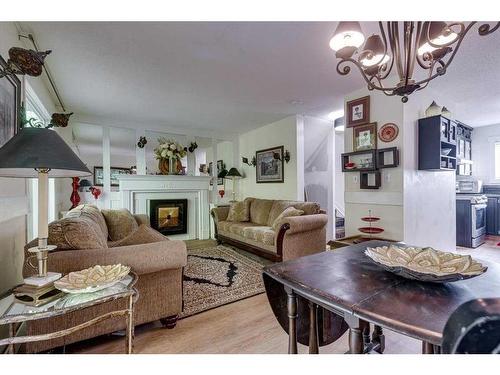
469 186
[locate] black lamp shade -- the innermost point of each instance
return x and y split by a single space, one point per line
39 148
85 183
233 173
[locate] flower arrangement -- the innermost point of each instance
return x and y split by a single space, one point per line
169 149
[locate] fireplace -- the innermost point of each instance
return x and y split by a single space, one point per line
169 216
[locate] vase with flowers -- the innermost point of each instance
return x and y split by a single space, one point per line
169 154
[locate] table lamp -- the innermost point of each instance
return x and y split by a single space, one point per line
39 152
234 175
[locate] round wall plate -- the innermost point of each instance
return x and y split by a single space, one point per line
388 132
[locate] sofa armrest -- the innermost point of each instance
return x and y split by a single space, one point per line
142 219
306 223
220 213
143 259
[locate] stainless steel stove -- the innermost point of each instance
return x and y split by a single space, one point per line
471 219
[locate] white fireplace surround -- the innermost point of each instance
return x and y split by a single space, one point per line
138 190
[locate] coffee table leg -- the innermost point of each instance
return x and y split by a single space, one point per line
427 348
130 326
356 326
292 320
313 328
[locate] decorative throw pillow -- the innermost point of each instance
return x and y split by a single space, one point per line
142 235
120 223
91 212
289 212
239 211
76 233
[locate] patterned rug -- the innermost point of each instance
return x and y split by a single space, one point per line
218 275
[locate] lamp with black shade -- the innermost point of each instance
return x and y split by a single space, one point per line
40 153
233 174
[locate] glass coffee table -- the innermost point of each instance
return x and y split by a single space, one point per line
14 313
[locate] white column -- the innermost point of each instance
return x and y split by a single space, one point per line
300 157
215 172
191 157
140 153
106 167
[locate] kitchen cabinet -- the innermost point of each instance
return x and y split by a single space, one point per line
437 144
492 215
464 149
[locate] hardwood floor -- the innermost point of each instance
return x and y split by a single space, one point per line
246 327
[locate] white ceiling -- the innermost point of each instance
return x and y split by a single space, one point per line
229 76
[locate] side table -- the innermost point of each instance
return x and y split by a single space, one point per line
14 313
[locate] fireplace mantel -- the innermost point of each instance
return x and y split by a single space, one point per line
138 190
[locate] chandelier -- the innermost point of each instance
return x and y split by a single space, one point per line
430 45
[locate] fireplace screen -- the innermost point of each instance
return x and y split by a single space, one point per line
169 216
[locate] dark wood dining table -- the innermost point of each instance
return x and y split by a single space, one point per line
349 284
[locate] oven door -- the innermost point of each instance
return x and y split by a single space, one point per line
478 220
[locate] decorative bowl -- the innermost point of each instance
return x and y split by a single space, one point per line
445 151
425 264
92 279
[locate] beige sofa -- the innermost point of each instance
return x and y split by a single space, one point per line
295 237
159 266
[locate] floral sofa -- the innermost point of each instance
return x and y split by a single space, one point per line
270 235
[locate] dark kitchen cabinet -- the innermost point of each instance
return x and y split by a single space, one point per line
492 216
437 144
464 150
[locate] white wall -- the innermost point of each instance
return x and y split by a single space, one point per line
415 206
339 176
319 158
429 197
387 201
483 140
283 132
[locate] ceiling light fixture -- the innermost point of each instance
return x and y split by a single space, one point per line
402 45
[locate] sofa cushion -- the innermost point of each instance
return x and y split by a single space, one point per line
239 211
266 235
91 212
76 233
120 223
309 208
288 212
259 211
144 234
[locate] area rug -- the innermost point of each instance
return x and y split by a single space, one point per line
218 275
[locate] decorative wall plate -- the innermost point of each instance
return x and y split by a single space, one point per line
425 264
92 279
388 132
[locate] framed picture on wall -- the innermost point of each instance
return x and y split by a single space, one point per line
358 111
220 167
115 172
365 137
10 104
269 166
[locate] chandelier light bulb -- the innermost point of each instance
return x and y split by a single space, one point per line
347 35
373 52
439 33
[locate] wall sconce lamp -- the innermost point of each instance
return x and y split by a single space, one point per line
253 163
142 142
24 61
286 156
193 146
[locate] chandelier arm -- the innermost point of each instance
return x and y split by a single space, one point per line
408 50
431 69
384 38
397 48
415 45
395 56
460 34
485 29
347 69
445 65
384 90
420 60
